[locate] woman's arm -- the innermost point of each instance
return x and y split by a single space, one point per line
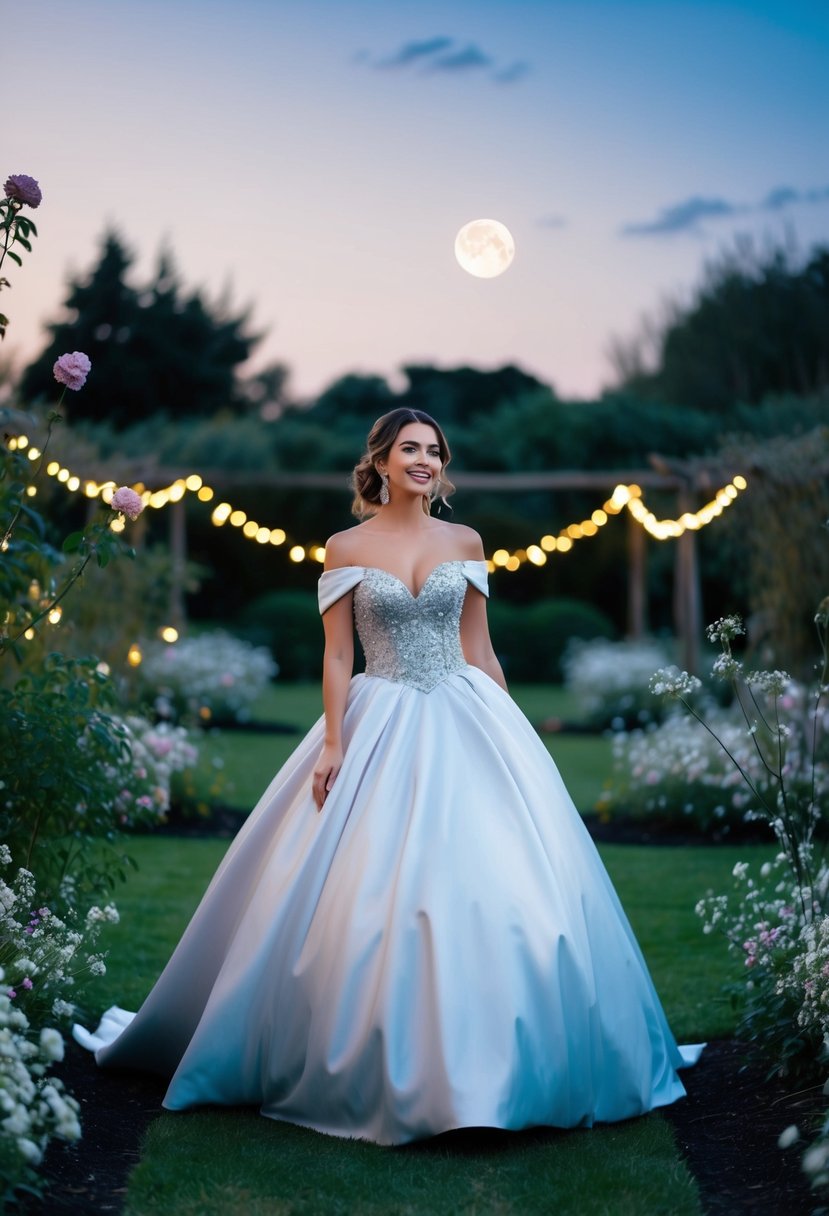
475 639
337 669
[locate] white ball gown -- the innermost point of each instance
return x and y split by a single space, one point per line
439 948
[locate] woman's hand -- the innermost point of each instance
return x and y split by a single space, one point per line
325 772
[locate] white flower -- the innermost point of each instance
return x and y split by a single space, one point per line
815 1158
51 1043
725 629
671 682
788 1137
29 1151
18 1122
740 870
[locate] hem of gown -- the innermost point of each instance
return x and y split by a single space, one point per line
484 1124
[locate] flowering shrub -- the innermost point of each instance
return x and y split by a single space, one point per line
214 677
103 774
610 681
678 773
684 771
42 957
33 1106
779 925
773 927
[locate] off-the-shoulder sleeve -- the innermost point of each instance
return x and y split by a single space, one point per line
477 574
334 584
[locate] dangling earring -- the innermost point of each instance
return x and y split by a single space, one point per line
384 489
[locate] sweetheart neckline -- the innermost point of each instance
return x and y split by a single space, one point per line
453 561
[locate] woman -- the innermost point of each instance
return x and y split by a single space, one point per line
439 946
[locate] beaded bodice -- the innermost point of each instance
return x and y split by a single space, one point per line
410 639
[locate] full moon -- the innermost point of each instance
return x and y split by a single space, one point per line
484 248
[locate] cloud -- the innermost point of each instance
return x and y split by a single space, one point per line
683 217
461 61
513 73
785 196
428 56
689 215
415 52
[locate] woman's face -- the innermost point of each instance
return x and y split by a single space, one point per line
413 463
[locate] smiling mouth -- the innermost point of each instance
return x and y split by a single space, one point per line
421 476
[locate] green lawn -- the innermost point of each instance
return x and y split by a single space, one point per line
226 1162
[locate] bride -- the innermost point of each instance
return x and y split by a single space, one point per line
413 931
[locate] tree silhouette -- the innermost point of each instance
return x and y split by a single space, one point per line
759 326
156 349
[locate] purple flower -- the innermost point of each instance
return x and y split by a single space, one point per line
23 189
126 500
10 993
72 370
27 984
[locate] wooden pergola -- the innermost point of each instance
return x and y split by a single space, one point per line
685 480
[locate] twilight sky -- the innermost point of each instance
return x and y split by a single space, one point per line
320 155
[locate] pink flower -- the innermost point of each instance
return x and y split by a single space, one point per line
27 984
23 189
126 500
72 370
10 993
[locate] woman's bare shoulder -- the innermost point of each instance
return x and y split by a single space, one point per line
466 540
342 546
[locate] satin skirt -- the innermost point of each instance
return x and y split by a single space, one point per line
440 947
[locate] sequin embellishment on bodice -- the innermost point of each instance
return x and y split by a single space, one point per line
411 639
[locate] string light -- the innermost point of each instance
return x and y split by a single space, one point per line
627 497
623 497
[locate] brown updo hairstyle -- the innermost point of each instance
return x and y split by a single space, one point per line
365 480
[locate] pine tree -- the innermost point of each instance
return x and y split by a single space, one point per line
155 349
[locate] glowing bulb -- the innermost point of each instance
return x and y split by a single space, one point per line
296 553
278 537
134 655
169 634
55 615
